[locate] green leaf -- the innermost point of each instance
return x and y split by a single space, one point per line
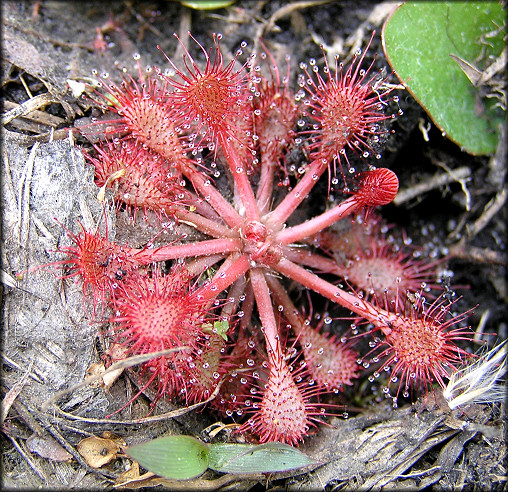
176 457
111 100
219 327
222 328
423 42
207 4
266 458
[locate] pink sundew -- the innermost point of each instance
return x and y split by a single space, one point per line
246 247
155 313
420 344
347 107
139 178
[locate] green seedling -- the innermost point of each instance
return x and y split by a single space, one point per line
219 327
176 457
185 457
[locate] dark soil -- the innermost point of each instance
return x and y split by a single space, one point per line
48 341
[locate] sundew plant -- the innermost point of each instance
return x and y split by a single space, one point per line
210 143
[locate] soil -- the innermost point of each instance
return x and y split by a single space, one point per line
49 344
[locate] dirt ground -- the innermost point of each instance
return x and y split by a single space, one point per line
48 343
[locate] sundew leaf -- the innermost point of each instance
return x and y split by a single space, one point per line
265 458
423 41
176 457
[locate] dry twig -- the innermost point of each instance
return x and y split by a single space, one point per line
460 175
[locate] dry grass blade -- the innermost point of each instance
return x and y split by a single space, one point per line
286 10
123 364
436 181
155 418
12 394
36 116
28 106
